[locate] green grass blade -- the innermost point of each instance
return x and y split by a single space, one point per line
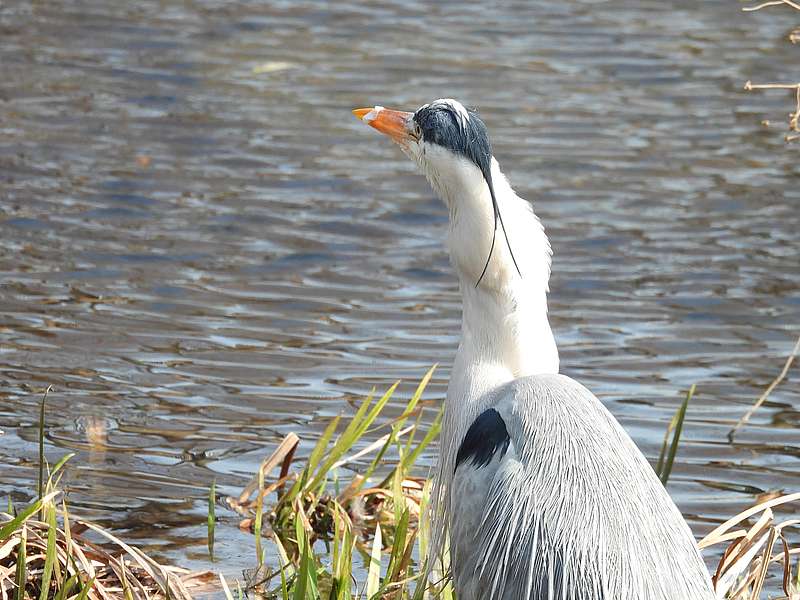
662 455
284 586
311 464
678 429
374 572
322 444
412 436
86 589
408 459
66 589
398 499
40 489
376 410
412 405
22 574
301 583
424 519
430 435
422 587
50 553
283 557
448 593
351 435
212 518
421 387
354 423
313 583
7 529
336 551
398 549
343 565
126 588
345 591
62 461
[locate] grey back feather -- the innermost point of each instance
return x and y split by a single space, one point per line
573 511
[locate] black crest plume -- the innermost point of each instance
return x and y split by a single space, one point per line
440 123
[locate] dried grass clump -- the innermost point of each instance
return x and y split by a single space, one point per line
54 558
750 556
45 553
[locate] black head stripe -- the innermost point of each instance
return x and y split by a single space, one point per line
441 124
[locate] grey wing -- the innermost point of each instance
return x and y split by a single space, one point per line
553 500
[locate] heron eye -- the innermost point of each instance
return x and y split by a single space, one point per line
417 131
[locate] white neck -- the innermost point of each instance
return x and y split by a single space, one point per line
505 332
503 336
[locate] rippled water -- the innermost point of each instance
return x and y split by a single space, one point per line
201 249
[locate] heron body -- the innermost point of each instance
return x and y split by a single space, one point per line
543 494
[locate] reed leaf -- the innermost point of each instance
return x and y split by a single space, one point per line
22 575
14 524
666 458
211 519
40 489
50 553
374 571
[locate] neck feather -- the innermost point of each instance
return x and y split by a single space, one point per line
505 331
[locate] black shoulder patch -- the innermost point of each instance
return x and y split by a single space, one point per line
485 436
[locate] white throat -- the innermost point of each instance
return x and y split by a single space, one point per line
505 332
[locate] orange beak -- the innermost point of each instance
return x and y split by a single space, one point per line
393 123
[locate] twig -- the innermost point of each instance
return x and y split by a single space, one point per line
771 3
794 118
743 421
770 86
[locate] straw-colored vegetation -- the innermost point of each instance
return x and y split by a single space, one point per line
794 37
45 552
328 531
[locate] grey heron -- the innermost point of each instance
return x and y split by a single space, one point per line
542 493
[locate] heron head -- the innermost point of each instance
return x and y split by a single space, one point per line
448 142
451 146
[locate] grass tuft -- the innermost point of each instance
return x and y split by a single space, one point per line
380 517
376 515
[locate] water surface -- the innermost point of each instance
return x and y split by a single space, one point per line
202 250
